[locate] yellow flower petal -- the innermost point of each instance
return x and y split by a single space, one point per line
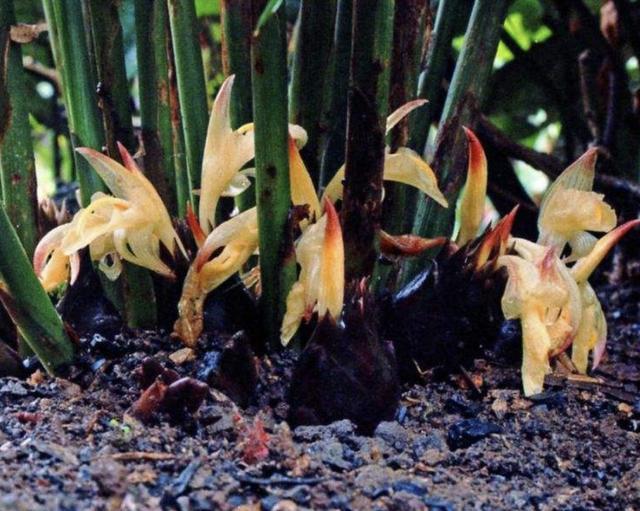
585 266
331 291
475 191
396 116
404 166
302 189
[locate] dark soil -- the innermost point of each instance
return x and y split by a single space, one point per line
66 445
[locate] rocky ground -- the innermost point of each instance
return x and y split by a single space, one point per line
469 442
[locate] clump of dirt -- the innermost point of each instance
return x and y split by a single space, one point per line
456 442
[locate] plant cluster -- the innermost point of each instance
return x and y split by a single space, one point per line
316 203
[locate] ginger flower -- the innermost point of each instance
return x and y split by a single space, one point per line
238 239
570 209
404 166
546 301
226 152
131 225
555 303
320 286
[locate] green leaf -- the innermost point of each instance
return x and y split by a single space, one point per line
207 8
270 9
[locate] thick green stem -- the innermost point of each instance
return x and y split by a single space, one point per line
236 46
152 33
409 24
466 93
18 183
312 52
269 78
79 83
335 116
368 102
191 86
449 15
113 91
183 190
27 303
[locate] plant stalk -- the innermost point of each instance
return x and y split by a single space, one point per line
191 87
27 303
113 99
152 33
367 108
18 172
306 96
236 46
466 92
269 80
334 119
78 77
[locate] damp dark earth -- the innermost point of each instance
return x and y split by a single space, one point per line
457 442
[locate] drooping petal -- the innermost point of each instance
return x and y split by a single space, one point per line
536 345
296 306
592 330
475 191
404 166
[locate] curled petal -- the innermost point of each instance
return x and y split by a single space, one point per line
578 176
571 211
585 266
238 184
407 244
475 191
400 113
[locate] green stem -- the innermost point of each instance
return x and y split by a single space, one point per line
312 52
368 103
18 183
79 83
113 89
27 303
269 79
236 46
335 116
183 190
409 21
466 93
449 15
137 287
191 86
152 33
